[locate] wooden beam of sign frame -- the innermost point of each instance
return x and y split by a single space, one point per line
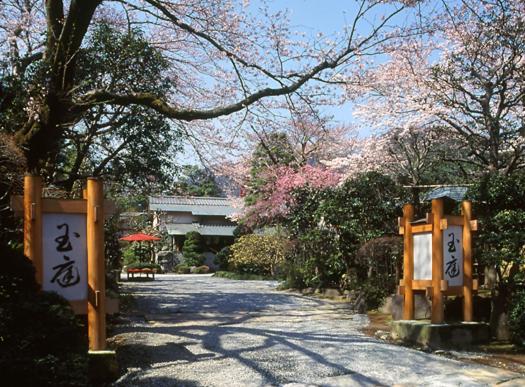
31 209
421 228
417 229
466 209
68 206
408 262
455 220
437 314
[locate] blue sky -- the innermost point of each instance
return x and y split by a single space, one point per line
329 17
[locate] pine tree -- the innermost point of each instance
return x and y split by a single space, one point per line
192 249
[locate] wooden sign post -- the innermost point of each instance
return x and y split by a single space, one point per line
408 262
65 241
96 266
33 222
437 258
437 263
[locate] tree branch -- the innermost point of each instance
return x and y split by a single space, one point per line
161 106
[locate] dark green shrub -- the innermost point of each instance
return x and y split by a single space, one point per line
182 268
381 260
499 205
329 226
295 274
223 258
242 229
375 291
517 317
192 249
17 278
42 342
317 259
112 251
130 255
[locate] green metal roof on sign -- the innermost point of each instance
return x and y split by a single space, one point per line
456 193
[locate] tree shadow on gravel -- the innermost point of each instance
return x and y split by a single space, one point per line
132 379
264 331
140 355
266 342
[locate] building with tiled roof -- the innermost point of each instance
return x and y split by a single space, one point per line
209 216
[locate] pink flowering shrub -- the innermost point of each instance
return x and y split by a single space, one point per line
276 194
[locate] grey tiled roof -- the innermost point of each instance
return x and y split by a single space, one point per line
456 193
183 229
194 204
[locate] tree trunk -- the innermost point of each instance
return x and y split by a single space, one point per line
41 137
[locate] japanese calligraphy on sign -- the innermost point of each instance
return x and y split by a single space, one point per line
453 255
65 255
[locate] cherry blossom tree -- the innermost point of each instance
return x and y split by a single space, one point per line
222 62
465 75
410 156
304 138
311 137
276 198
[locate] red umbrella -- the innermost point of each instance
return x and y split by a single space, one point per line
139 238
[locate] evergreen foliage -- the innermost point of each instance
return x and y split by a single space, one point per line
195 181
499 205
223 258
42 343
517 317
329 226
192 249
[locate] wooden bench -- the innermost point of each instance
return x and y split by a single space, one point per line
140 272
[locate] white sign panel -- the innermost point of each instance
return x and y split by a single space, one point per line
453 255
423 256
65 255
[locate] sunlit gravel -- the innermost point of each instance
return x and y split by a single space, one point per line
196 330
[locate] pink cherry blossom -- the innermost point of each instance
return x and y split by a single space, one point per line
277 198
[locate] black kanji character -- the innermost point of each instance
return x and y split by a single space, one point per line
67 274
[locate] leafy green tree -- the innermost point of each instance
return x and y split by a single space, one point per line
330 226
12 165
517 317
195 181
192 249
499 202
132 146
499 205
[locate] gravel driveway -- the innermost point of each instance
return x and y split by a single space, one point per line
196 330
